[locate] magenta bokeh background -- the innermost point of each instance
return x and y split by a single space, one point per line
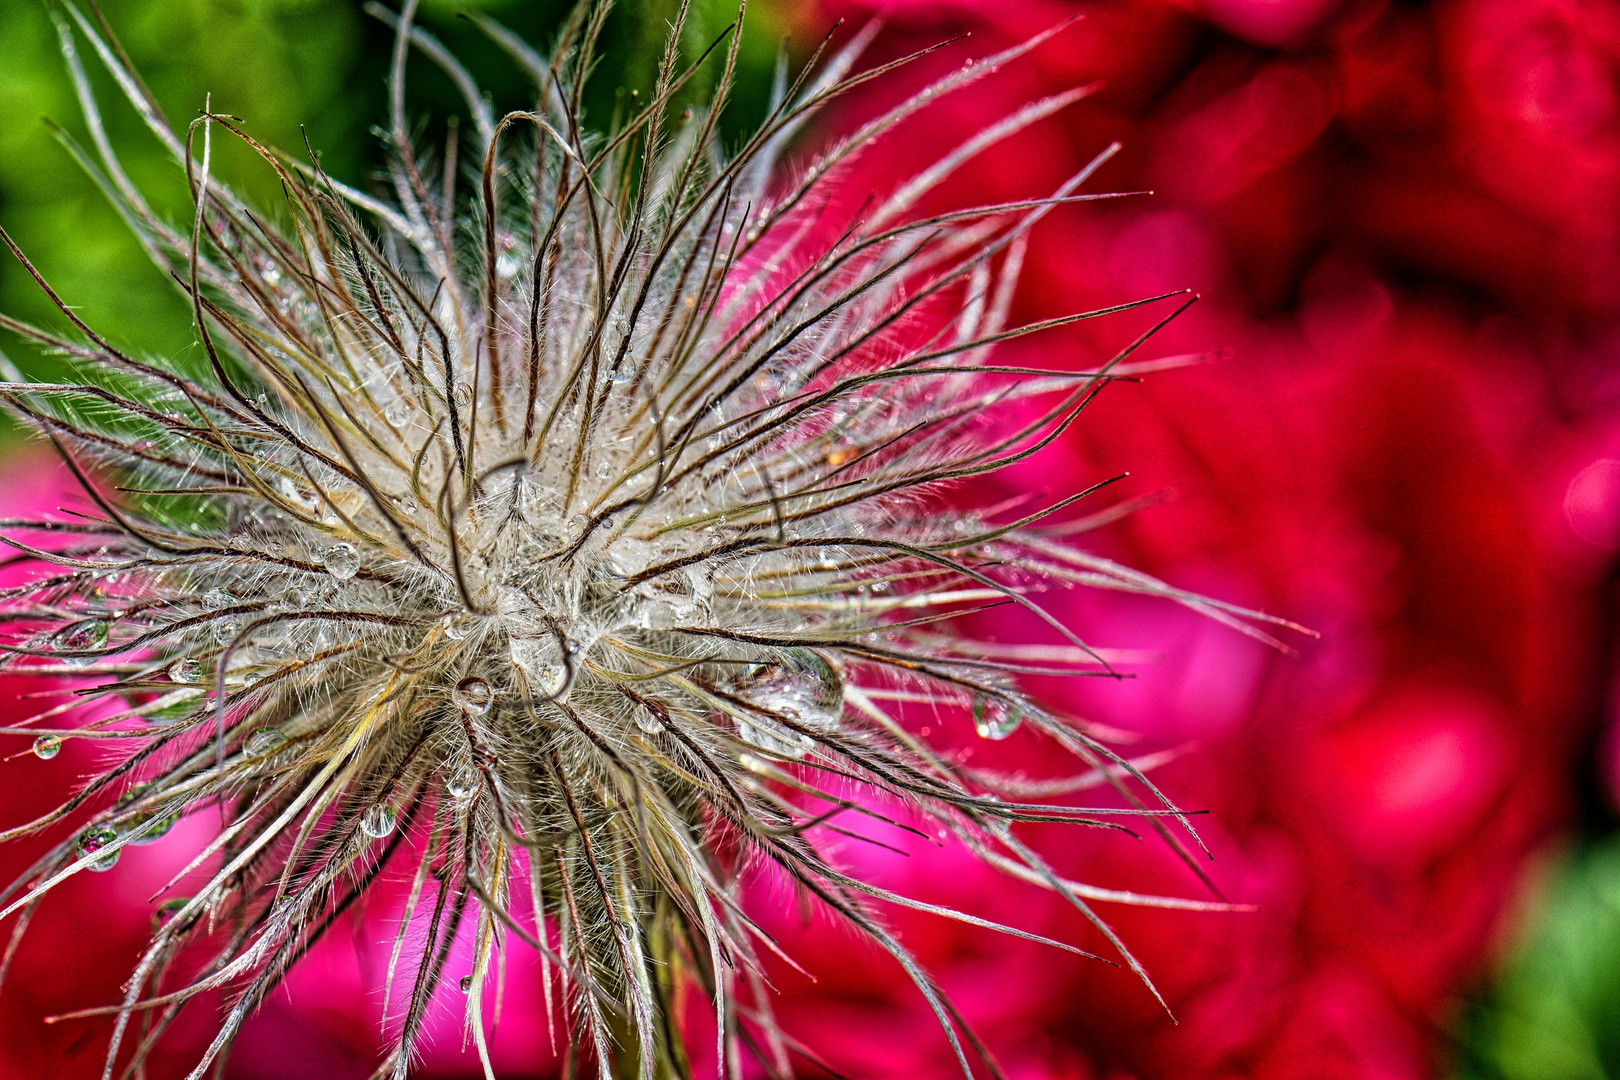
1403 221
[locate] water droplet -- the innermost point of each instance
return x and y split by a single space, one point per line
994 717
461 783
647 720
803 684
226 629
266 740
473 695
299 497
47 747
455 626
398 412
151 827
405 505
463 394
341 560
214 599
682 607
166 911
541 659
466 984
378 820
779 742
802 688
653 613
172 706
83 636
628 557
94 839
701 583
187 669
263 401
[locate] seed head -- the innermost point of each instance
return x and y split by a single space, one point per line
569 546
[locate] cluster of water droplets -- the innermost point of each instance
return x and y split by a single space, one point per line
474 697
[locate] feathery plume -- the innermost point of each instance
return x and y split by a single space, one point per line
569 546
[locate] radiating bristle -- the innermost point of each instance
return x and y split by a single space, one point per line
580 539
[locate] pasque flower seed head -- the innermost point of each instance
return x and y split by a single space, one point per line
568 545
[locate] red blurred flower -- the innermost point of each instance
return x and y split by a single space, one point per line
1405 225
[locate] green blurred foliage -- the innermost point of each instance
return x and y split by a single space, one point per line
290 69
274 62
1553 1012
